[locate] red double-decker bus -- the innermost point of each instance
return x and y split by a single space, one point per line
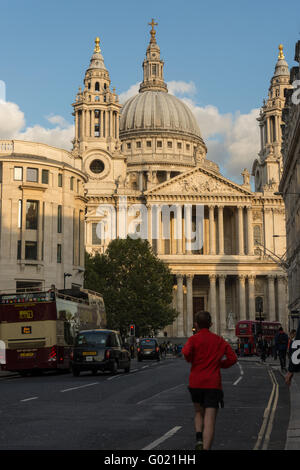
247 332
38 328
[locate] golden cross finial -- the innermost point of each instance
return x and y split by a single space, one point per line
280 55
152 32
97 47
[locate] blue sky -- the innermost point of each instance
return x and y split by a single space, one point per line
227 49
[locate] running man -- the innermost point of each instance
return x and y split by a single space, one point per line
205 351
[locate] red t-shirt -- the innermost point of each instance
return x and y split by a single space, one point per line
206 351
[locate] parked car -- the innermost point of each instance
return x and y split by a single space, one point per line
99 349
148 348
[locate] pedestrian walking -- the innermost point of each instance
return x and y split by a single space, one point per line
205 351
281 342
291 339
294 363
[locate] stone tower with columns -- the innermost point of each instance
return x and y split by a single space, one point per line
267 168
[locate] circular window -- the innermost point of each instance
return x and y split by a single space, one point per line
97 166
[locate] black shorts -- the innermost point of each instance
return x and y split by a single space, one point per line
207 397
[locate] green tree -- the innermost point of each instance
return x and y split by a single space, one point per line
136 286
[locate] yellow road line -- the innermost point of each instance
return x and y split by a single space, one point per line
266 415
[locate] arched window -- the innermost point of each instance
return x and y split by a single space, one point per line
97 86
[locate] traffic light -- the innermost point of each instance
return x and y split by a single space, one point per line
132 330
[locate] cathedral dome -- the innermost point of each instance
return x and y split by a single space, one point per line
157 111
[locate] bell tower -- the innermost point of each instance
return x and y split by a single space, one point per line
267 168
97 116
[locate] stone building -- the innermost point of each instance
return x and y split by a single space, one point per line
155 163
290 184
145 171
42 216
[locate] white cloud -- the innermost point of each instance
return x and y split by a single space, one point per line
181 88
11 119
12 126
132 91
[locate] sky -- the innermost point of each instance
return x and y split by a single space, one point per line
219 58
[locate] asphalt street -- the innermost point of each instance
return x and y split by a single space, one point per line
149 409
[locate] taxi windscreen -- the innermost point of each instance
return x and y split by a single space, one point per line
92 338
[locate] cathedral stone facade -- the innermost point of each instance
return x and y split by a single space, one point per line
147 174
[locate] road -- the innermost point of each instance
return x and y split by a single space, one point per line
149 408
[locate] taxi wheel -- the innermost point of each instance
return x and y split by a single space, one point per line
75 372
114 368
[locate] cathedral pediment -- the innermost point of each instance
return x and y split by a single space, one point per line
199 181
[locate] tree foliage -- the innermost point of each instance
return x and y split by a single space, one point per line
136 286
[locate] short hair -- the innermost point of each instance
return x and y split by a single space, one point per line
203 319
280 329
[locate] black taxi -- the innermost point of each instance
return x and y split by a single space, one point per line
99 350
148 348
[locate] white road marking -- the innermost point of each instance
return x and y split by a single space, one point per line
114 377
238 380
267 414
157 394
162 438
29 399
77 388
145 367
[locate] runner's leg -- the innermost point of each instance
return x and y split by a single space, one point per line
199 417
210 416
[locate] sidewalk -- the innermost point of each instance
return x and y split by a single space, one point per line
293 431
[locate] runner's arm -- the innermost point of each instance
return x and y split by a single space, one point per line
231 357
187 351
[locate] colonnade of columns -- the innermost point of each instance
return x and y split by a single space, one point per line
181 223
108 121
244 285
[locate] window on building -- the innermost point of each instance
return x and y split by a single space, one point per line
96 233
138 145
30 250
148 143
32 215
128 146
159 144
257 234
18 173
19 249
97 86
169 144
59 253
153 69
60 180
188 146
59 219
32 175
179 145
72 183
45 176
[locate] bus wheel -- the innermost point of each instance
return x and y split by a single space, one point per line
23 373
75 372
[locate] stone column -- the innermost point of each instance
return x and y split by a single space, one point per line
240 230
189 304
212 240
271 295
222 303
213 301
249 231
251 289
180 331
140 181
281 284
221 229
242 298
149 223
188 228
178 229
